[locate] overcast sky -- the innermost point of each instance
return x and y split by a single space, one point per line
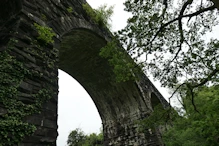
75 107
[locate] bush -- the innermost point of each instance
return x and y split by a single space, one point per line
101 15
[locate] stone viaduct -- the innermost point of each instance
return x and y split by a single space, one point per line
29 75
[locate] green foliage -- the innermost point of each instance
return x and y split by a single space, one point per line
94 140
12 72
172 37
46 34
159 117
43 17
100 16
191 127
186 126
11 126
78 138
70 9
123 66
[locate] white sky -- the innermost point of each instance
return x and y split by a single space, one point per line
75 107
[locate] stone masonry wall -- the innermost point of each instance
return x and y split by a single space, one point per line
29 62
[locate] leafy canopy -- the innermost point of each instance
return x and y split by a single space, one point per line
189 127
78 138
196 128
169 37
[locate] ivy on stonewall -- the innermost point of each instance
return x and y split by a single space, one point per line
12 72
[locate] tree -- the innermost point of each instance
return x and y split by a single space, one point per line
94 140
78 138
196 128
188 127
169 37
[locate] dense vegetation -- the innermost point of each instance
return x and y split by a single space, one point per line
78 138
197 128
190 127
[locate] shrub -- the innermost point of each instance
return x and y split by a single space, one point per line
101 15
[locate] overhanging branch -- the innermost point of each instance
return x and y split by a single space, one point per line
179 18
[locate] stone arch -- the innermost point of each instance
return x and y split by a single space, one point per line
78 40
79 57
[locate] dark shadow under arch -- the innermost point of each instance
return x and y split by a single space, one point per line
78 55
154 100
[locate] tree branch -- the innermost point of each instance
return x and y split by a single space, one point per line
180 17
204 81
165 3
189 2
175 91
192 94
200 11
180 26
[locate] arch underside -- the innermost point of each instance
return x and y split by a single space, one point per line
78 40
120 105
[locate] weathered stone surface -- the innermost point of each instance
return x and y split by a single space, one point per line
78 41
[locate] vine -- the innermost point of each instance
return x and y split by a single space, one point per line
12 72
